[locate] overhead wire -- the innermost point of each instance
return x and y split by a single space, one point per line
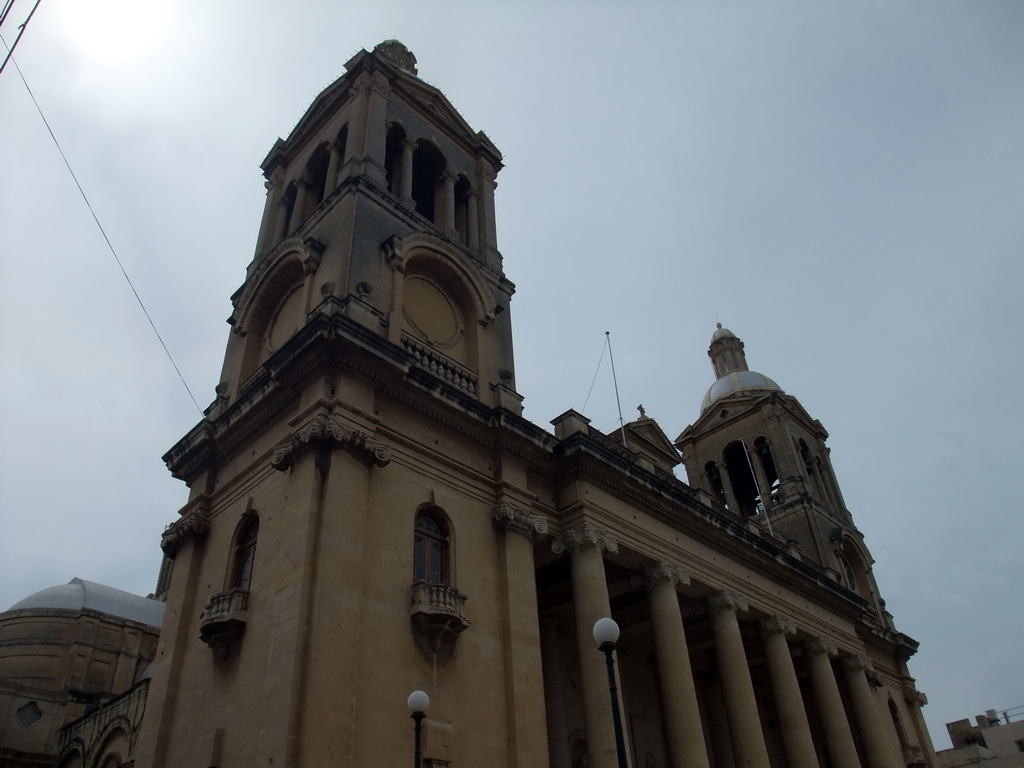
96 219
124 272
21 31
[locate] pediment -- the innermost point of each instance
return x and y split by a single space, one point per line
646 437
428 100
740 405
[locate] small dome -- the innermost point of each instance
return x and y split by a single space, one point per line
79 594
721 333
398 54
737 382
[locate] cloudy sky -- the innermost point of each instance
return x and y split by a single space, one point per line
839 183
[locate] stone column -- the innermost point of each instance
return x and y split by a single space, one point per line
281 222
448 182
405 193
524 677
730 499
273 187
357 124
375 138
298 212
587 545
878 752
682 716
332 169
486 181
789 704
473 221
557 688
738 689
838 738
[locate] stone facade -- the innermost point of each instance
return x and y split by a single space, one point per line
369 514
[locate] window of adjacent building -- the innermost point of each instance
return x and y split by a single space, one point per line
245 552
430 548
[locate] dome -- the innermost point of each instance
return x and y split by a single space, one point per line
79 594
737 382
721 333
398 54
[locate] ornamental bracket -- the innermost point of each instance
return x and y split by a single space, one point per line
328 431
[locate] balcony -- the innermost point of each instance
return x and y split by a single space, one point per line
224 621
438 613
914 756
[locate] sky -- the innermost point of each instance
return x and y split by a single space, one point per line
839 183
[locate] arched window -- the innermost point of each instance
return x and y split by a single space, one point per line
245 552
430 548
897 723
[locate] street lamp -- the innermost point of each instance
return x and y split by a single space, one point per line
418 704
606 632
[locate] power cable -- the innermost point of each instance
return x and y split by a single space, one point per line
10 52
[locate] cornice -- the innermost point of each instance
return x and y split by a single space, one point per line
674 502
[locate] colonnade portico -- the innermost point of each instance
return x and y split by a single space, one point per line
692 705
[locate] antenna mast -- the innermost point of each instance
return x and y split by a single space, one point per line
618 402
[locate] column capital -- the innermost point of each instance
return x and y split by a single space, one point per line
858 663
409 145
816 645
577 537
668 571
509 517
727 601
778 625
914 696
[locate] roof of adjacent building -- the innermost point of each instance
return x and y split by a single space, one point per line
79 594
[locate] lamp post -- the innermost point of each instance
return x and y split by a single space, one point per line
418 704
606 632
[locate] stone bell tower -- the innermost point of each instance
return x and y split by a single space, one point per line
757 452
312 580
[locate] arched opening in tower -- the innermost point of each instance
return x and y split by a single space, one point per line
316 171
744 487
771 475
427 166
714 475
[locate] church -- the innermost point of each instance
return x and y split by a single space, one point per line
369 515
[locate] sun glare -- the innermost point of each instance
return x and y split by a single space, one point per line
115 31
